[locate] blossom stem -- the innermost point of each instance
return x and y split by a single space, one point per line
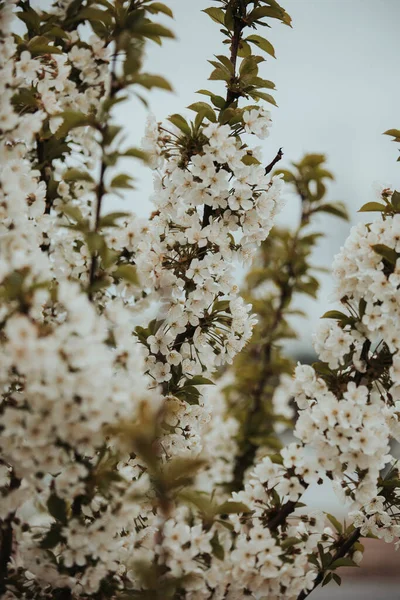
101 185
238 26
245 460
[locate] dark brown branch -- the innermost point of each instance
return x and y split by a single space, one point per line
277 158
280 517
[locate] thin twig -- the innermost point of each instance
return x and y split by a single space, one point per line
277 158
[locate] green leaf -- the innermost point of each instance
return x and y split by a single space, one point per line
52 538
154 29
224 60
109 220
159 7
327 579
122 181
342 562
39 45
31 19
73 212
152 81
337 525
249 159
288 176
262 83
336 578
180 123
136 153
217 548
273 12
94 242
126 272
77 175
180 471
387 253
199 380
249 66
189 393
220 75
216 14
57 508
263 96
218 101
262 43
201 501
229 20
335 314
393 133
395 200
204 108
221 306
290 541
73 119
372 207
232 508
338 210
244 49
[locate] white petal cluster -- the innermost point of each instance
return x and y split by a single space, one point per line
350 417
258 122
187 259
376 519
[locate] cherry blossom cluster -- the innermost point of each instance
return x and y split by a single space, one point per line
187 257
378 518
349 410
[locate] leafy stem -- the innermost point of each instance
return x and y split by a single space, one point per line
103 167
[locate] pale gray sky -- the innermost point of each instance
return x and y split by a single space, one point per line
338 89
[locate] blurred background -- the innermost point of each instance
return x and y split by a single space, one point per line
338 90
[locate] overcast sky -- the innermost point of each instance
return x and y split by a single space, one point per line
338 89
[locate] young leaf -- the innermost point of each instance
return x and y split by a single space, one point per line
152 81
180 123
57 508
342 562
199 380
337 525
372 207
216 14
109 220
262 43
122 181
126 272
387 253
232 508
205 109
159 7
338 210
335 314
